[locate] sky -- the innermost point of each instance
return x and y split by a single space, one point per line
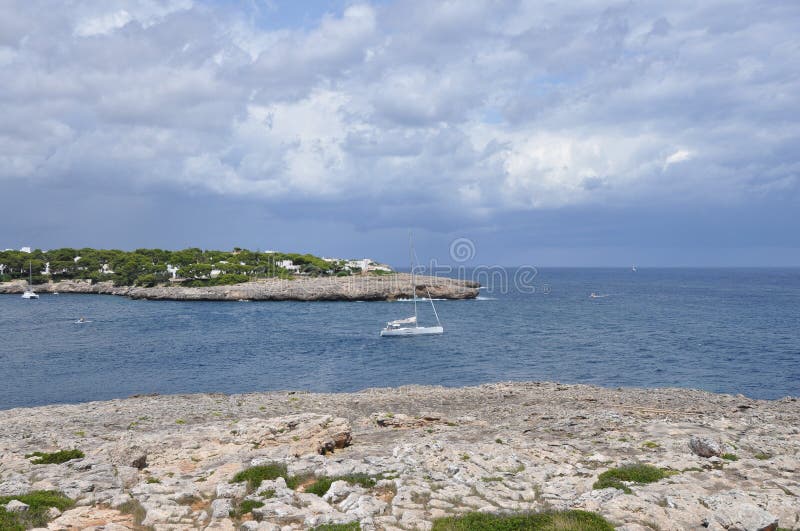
580 133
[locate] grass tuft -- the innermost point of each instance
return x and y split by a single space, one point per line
640 474
650 444
55 458
762 456
352 526
323 483
730 457
39 502
256 474
135 509
545 521
245 507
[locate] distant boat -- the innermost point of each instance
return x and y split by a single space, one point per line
82 320
594 295
402 327
29 293
633 268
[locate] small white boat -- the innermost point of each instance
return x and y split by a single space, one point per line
29 293
82 320
397 328
410 326
633 268
594 295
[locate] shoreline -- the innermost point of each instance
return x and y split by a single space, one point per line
398 388
500 447
351 288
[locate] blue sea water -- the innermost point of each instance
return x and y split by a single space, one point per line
723 330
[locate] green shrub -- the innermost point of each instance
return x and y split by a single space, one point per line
245 507
256 474
640 474
55 458
352 526
323 483
730 457
544 521
36 516
320 486
762 456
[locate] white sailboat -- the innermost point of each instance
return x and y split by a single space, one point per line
29 293
410 325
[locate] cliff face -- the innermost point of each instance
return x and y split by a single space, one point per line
385 287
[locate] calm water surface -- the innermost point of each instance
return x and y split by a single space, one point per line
725 330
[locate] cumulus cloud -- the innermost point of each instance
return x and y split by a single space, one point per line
477 108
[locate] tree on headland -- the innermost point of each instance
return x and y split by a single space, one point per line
148 267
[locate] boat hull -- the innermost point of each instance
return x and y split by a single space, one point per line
412 331
30 295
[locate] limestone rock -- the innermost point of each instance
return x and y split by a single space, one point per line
397 420
705 446
129 455
16 506
14 485
304 433
231 490
356 287
734 511
221 508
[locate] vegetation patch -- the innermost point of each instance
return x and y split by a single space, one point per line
544 521
39 502
135 509
730 457
323 483
352 526
650 444
245 507
256 474
762 456
639 474
55 458
148 267
319 485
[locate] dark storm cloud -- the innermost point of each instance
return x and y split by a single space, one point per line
462 114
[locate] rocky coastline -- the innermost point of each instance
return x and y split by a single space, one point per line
400 458
349 288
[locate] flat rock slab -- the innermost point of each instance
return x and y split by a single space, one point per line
168 461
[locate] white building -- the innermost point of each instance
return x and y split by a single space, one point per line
106 270
366 264
288 265
173 270
25 250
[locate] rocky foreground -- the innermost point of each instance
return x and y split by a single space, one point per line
352 288
168 461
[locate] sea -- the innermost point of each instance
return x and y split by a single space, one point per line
722 330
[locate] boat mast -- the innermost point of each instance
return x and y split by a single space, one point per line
413 283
